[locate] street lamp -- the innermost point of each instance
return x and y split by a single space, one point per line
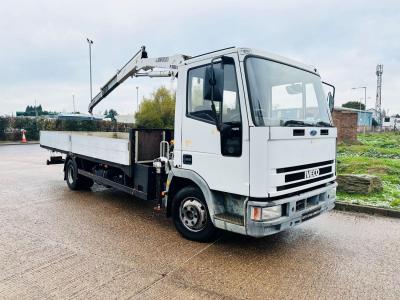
90 42
73 102
365 99
137 98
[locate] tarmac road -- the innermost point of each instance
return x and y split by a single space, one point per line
55 243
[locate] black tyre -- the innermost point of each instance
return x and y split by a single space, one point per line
191 217
74 180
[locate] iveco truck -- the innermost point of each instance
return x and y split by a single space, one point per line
253 149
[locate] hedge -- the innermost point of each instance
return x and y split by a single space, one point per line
10 127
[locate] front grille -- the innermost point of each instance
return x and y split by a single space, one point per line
302 175
297 184
302 167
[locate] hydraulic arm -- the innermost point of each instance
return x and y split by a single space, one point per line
140 65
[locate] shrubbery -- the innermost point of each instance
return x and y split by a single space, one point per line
10 128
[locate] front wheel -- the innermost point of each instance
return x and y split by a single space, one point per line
191 216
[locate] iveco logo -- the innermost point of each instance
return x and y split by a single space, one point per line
313 132
311 173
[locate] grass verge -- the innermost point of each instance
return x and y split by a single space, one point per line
376 154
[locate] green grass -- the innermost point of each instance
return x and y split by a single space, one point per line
376 154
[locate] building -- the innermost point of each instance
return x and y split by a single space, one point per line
391 124
345 121
79 117
364 118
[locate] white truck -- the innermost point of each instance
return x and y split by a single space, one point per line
253 150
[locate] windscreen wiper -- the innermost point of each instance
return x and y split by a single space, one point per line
293 123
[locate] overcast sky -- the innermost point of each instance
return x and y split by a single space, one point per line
44 53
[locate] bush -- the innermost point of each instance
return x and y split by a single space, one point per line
10 128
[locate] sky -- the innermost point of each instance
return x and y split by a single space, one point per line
44 55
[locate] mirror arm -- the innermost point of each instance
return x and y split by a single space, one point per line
332 86
217 119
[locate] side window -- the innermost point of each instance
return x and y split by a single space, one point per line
197 106
200 108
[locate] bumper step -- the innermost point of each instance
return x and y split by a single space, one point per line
230 218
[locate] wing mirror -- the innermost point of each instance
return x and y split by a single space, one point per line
214 84
331 101
331 96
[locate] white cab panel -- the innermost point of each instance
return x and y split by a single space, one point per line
222 173
276 148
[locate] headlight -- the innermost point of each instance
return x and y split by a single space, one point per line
266 213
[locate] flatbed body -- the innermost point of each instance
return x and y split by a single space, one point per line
131 153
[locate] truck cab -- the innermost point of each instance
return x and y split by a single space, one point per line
264 156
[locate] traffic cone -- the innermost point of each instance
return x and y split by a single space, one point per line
23 137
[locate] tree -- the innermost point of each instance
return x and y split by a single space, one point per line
112 113
354 105
157 111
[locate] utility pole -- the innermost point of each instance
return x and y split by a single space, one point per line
36 112
378 103
137 98
90 42
365 102
73 102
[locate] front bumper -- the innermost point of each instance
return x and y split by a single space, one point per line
296 209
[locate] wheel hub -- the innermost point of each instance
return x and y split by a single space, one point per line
193 214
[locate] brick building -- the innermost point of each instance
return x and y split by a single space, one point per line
345 121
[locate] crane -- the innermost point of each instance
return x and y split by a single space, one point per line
139 66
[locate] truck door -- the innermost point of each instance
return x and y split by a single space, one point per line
221 157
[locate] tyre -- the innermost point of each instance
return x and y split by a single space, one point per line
190 215
74 180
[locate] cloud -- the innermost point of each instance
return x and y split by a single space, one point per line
44 53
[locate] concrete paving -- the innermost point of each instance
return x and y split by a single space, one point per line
55 243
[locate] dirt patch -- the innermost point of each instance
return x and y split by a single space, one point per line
378 170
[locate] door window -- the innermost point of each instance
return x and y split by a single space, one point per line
200 108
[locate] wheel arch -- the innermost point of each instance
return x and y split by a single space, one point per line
180 178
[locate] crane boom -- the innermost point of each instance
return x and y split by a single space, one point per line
140 65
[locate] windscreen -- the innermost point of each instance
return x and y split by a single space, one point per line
282 95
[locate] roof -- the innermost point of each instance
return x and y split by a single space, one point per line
66 116
352 110
243 52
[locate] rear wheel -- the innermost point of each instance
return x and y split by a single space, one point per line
191 216
74 180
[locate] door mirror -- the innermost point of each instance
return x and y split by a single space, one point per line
331 96
331 101
214 84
